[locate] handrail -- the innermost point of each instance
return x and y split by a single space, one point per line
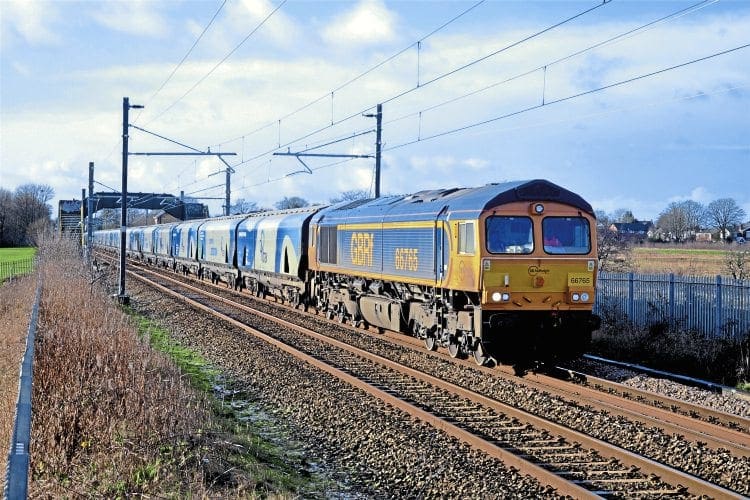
16 485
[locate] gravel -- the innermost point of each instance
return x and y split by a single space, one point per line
434 463
376 449
728 404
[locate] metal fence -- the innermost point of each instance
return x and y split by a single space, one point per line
713 306
16 268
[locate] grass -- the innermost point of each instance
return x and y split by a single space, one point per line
685 261
271 466
13 254
15 261
680 251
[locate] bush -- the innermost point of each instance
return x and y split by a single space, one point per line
667 346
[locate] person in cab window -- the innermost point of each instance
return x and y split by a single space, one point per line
550 240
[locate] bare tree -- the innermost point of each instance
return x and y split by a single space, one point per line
6 205
723 214
242 206
291 202
29 204
673 221
355 194
40 192
623 215
695 214
109 217
613 251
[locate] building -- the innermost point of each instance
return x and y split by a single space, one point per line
635 230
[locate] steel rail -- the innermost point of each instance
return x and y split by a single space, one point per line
693 484
694 422
705 413
682 379
563 486
667 420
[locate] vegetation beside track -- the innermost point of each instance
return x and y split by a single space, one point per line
724 360
670 347
116 418
235 415
16 301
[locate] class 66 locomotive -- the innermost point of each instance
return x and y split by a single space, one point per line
502 272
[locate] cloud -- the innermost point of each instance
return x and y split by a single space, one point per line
699 194
31 21
134 17
370 22
245 15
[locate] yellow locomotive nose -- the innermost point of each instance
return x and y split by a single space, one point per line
561 284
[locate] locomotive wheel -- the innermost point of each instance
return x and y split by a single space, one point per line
329 314
480 356
341 317
454 350
430 343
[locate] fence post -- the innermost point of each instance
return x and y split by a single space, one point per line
718 305
671 299
631 298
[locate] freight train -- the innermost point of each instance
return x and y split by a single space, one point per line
504 271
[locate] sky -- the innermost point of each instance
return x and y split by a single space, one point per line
632 104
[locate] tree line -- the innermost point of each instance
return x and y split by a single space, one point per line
24 214
680 220
242 206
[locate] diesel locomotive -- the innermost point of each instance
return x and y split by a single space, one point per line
504 270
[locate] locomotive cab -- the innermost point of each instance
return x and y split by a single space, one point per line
538 278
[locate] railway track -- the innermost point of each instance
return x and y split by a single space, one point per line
570 461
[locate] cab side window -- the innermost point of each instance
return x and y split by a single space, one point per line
466 238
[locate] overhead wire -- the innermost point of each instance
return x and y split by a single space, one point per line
216 66
184 58
531 108
437 78
361 75
640 29
568 98
161 87
433 80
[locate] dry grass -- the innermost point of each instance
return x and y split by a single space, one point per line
680 261
16 299
118 419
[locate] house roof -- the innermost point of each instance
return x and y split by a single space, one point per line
632 227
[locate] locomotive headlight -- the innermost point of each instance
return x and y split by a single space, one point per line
575 297
497 297
584 297
538 208
506 297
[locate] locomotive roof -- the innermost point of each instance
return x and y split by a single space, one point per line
464 202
